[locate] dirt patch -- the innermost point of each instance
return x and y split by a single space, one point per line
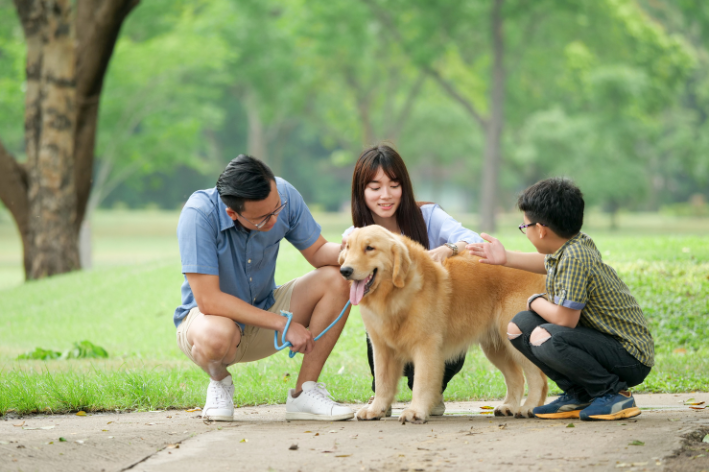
694 454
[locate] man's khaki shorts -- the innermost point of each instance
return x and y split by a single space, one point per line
256 343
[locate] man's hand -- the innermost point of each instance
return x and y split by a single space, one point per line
300 338
492 252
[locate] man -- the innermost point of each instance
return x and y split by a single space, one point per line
229 238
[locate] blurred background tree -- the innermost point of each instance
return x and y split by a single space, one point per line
482 98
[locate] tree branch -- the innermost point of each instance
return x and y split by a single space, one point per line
99 26
405 112
428 68
13 189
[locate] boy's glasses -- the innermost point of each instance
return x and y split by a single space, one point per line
267 217
523 227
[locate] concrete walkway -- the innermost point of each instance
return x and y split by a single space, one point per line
259 439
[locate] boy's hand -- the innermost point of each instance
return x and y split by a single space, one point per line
492 252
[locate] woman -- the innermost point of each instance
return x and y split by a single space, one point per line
382 195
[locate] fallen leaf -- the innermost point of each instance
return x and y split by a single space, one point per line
317 434
62 439
110 437
4 443
692 402
104 430
307 431
48 427
19 424
80 413
570 425
192 410
244 440
173 446
487 407
293 447
636 443
80 441
486 412
698 407
109 422
706 439
344 455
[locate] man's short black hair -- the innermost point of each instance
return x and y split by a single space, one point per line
556 203
244 179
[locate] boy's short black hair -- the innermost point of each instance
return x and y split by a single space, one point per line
556 203
245 178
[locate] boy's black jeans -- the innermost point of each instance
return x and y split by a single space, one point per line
452 367
582 361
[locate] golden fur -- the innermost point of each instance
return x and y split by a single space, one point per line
418 310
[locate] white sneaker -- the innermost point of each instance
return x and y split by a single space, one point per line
315 403
220 400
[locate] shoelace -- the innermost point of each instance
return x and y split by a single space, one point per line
321 391
221 394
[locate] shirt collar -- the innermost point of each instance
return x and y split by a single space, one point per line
560 251
225 222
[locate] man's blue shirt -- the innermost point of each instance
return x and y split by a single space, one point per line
245 261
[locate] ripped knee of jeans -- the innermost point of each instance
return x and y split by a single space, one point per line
513 331
539 336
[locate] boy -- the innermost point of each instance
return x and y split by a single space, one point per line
586 333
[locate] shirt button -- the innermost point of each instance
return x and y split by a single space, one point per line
250 279
249 261
254 298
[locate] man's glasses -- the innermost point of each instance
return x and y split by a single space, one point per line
523 227
267 217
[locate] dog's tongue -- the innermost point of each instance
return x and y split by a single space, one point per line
357 291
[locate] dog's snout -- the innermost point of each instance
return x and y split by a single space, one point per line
346 271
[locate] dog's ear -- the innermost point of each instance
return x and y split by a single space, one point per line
402 261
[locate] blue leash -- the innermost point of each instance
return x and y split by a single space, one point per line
289 315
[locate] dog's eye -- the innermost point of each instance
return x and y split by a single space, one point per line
369 248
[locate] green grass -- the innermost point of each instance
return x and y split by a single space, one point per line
126 303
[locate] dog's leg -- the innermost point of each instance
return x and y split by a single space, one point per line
537 383
502 355
428 377
387 371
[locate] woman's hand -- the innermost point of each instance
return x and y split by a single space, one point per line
441 253
492 252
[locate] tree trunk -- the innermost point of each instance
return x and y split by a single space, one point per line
494 128
256 145
47 195
49 138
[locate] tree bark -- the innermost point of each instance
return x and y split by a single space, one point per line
256 145
47 195
493 132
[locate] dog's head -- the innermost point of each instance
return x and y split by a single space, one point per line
372 256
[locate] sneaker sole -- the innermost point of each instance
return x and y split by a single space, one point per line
561 415
622 414
218 418
312 417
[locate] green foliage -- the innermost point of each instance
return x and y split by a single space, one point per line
80 350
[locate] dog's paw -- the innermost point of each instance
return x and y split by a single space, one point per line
525 412
506 410
413 416
368 414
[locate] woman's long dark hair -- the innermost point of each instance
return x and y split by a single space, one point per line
408 215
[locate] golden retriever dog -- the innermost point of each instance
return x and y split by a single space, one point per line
421 311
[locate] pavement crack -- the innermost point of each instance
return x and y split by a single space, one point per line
162 449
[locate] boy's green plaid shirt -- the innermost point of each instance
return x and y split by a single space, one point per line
578 279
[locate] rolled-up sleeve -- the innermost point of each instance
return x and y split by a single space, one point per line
197 238
443 228
304 230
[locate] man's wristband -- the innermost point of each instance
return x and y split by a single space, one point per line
452 247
